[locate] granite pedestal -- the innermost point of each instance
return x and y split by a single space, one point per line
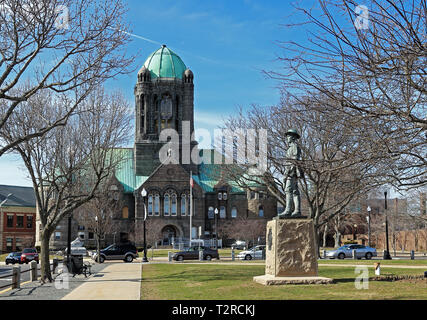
291 256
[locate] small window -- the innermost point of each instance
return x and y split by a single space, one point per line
29 222
166 205
234 212
173 205
18 244
9 244
261 211
219 196
150 205
222 212
19 221
211 213
10 221
224 196
157 205
57 235
183 205
125 213
90 235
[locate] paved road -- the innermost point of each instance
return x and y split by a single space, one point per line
6 273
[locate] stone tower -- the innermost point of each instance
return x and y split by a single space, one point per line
164 98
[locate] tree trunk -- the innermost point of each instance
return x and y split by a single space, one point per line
44 257
317 240
325 233
337 238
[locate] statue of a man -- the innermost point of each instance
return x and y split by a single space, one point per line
292 174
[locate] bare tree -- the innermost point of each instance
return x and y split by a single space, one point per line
68 164
65 47
98 214
333 154
248 229
371 62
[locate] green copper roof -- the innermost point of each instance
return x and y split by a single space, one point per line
125 173
164 63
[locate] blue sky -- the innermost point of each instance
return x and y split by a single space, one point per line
225 43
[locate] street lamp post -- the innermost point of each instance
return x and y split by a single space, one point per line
97 238
387 253
69 241
369 225
144 194
216 227
354 231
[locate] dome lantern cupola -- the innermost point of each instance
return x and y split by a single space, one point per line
164 63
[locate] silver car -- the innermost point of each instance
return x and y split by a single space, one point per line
253 253
346 251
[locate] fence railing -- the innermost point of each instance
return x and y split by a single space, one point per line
15 277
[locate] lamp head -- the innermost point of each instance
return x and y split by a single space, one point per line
143 192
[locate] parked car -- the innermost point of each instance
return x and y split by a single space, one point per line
239 245
252 253
126 252
29 254
192 253
346 251
13 257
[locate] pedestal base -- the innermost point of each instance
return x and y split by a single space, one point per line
269 280
291 256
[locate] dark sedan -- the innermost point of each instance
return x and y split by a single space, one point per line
192 253
13 257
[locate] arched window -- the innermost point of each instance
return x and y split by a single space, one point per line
261 211
125 213
166 205
156 205
234 212
211 213
150 205
222 212
173 204
183 205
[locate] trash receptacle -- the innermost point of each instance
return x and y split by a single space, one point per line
76 263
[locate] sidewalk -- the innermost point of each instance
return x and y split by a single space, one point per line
118 281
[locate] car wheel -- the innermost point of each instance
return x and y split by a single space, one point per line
368 256
248 257
128 258
341 256
7 262
208 257
101 259
180 258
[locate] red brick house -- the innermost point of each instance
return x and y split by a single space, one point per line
17 218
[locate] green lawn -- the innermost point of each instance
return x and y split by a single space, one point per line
416 262
228 282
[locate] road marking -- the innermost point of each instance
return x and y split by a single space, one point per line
8 289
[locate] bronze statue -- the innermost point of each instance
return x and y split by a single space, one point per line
292 173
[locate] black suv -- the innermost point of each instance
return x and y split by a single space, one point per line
125 251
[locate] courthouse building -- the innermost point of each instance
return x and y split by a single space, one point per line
164 98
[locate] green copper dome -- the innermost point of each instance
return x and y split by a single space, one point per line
164 63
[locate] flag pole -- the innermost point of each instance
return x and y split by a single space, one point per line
191 206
